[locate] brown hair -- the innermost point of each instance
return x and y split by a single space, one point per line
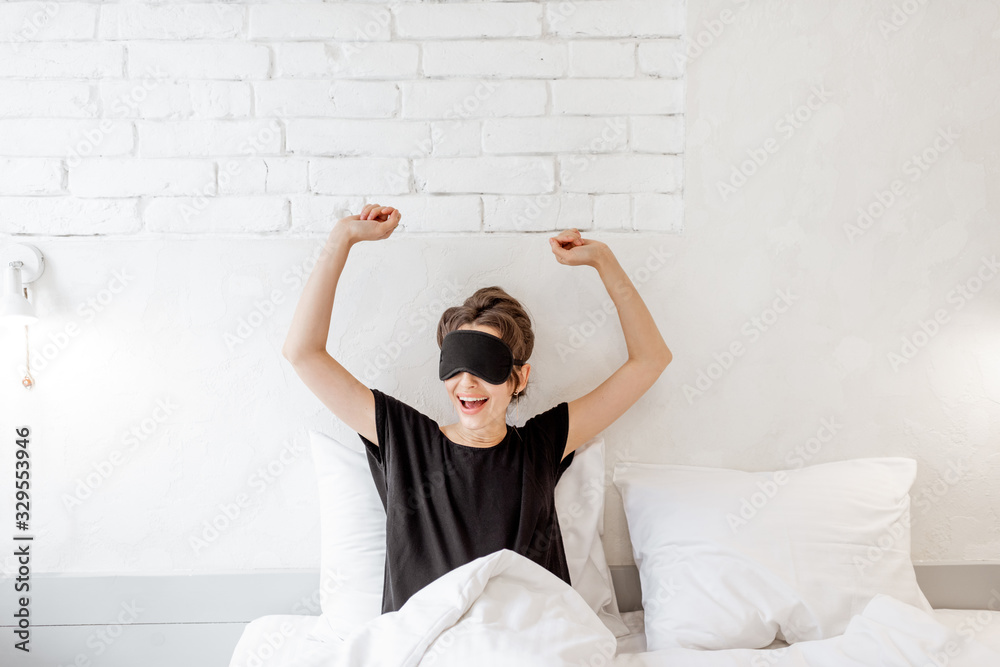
494 307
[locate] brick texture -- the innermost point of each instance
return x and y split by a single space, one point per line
257 117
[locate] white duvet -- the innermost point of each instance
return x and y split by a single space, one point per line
504 609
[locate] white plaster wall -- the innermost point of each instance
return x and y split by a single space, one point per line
897 74
234 408
192 278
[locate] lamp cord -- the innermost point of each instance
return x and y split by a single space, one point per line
27 381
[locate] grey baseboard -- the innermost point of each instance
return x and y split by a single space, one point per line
961 586
71 599
158 620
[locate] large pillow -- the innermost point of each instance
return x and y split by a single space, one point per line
352 533
580 507
733 559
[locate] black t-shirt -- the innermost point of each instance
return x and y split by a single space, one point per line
448 504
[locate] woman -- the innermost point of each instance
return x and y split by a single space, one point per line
457 492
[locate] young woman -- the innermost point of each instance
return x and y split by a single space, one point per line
456 492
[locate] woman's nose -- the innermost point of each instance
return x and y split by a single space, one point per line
468 379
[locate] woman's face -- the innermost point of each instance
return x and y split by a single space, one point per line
465 384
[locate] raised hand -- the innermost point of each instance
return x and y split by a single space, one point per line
573 250
374 223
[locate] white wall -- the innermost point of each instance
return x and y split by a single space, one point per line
898 76
490 125
199 152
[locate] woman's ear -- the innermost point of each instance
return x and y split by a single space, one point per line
522 382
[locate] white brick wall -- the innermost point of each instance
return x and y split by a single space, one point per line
244 117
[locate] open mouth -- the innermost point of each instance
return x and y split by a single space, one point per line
472 406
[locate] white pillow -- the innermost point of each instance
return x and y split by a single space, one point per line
733 559
352 533
580 507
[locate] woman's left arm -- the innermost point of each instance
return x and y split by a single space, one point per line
648 354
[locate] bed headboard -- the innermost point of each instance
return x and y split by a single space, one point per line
946 585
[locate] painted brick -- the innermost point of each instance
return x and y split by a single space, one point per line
345 99
216 214
616 18
50 99
46 21
663 57
254 176
612 212
456 138
538 213
421 213
479 116
601 59
73 139
67 216
318 213
495 58
61 60
209 138
468 20
153 98
191 60
620 173
171 21
517 175
657 134
359 137
554 135
617 96
98 177
455 100
356 60
342 21
354 175
30 176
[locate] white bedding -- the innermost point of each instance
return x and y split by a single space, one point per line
505 609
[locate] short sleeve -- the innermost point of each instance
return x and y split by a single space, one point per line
402 432
550 430
378 451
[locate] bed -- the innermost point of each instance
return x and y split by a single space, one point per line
281 639
803 567
891 635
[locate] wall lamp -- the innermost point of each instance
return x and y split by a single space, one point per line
22 264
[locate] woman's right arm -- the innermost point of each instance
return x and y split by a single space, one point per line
305 346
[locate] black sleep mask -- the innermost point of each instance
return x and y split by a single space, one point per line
482 354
